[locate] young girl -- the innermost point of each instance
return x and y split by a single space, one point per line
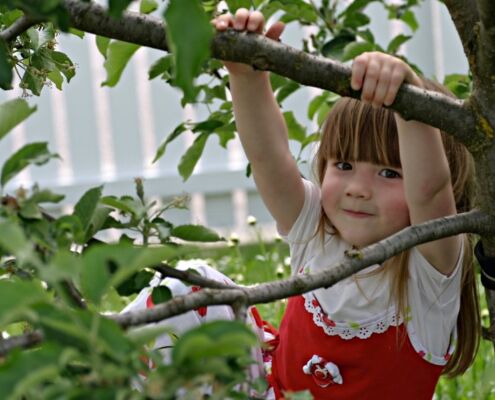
393 329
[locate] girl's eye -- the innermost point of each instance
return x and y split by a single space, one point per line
389 173
344 166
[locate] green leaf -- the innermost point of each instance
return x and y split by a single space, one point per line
191 156
459 84
86 206
102 43
296 130
110 265
17 299
118 55
32 81
12 113
32 153
410 19
56 77
161 294
215 339
355 20
6 73
234 5
64 64
396 42
147 6
163 146
356 6
286 90
26 368
352 50
117 7
77 32
335 47
195 233
162 66
191 46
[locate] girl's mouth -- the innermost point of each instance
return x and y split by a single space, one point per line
357 214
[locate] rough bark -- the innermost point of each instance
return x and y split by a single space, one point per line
18 27
435 109
353 262
465 15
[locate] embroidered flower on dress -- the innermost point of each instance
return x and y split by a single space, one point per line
323 372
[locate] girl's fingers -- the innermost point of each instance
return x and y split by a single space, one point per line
359 66
275 30
222 22
241 19
256 22
396 79
382 86
370 80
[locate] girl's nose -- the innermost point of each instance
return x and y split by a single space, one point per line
359 186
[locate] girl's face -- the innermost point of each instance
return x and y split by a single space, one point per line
364 202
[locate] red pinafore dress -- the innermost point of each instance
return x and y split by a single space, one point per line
383 366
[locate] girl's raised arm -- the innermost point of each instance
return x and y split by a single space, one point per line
262 128
426 173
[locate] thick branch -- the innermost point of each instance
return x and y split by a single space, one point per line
133 27
465 15
434 109
18 27
473 222
25 341
486 54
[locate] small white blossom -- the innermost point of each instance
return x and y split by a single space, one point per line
251 220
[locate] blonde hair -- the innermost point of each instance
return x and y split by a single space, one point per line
355 131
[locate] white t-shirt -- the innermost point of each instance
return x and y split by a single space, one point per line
362 309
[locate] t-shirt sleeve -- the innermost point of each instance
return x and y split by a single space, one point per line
301 235
434 299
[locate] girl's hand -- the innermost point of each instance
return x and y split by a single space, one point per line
250 22
380 76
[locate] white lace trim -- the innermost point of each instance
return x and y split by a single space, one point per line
377 324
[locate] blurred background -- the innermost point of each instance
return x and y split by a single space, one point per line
110 135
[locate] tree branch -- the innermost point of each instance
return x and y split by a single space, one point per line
25 341
435 109
355 261
465 15
485 83
132 27
21 25
191 277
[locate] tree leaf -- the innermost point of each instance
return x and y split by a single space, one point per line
162 66
118 55
335 47
396 42
195 233
117 7
32 153
191 46
410 19
191 156
110 265
86 206
234 5
163 146
286 90
22 366
102 43
352 50
296 130
17 298
147 6
161 294
12 113
64 64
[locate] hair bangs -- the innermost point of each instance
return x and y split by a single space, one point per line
355 131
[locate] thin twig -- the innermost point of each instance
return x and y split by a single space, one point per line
24 341
190 276
21 25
